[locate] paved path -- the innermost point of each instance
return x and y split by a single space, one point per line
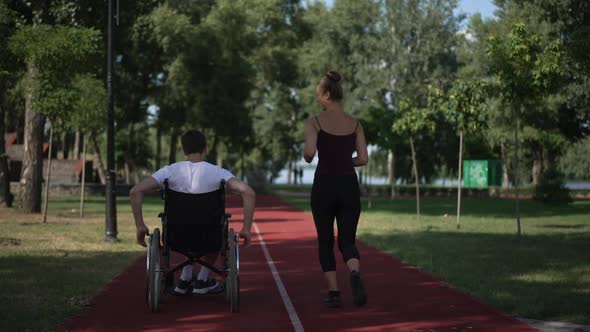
282 288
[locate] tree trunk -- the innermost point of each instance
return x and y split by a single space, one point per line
537 170
31 178
459 179
129 156
135 176
242 166
220 159
83 185
127 173
289 172
516 175
48 177
76 154
415 166
391 171
98 158
173 143
65 146
505 162
537 164
368 186
158 146
5 195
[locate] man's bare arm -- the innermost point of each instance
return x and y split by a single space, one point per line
147 185
235 186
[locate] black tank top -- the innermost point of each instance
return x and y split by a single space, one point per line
335 152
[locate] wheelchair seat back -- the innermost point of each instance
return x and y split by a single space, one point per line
194 222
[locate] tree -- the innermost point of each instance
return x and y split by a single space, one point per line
8 78
89 115
572 19
275 103
412 122
159 41
52 54
576 161
524 69
418 50
466 113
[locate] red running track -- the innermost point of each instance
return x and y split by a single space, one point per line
401 298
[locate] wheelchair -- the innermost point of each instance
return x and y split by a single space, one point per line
193 225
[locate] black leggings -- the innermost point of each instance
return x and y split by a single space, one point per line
336 197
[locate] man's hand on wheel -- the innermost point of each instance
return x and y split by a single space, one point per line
247 236
141 233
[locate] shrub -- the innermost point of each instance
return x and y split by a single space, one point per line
551 189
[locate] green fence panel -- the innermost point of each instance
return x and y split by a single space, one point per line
495 173
482 173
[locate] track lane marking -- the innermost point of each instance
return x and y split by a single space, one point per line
281 287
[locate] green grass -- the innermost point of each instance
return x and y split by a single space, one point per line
49 272
545 275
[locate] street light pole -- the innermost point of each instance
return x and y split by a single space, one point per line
111 198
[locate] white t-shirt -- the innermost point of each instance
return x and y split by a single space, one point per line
192 178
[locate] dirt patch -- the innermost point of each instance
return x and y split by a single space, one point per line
29 223
8 241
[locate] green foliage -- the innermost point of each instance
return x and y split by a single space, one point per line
56 52
466 106
89 106
58 49
418 59
576 161
10 66
245 72
413 120
570 19
551 189
420 38
524 67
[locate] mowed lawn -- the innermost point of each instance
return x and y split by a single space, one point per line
545 275
49 272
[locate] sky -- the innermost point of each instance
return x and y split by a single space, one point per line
485 7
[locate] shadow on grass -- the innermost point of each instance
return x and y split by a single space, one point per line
539 276
576 226
40 290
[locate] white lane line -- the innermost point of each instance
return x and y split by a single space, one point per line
282 290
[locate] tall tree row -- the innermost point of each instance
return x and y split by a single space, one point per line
245 72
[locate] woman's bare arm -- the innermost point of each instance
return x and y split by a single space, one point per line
311 139
362 156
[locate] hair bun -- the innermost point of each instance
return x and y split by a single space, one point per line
333 76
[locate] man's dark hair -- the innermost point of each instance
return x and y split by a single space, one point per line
193 141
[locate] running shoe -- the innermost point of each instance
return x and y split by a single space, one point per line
359 294
210 286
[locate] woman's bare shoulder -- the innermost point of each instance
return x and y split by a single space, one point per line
311 119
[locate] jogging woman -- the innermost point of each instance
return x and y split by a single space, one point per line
335 135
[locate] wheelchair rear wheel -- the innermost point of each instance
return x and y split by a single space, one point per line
233 282
154 277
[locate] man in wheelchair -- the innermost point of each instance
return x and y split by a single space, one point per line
193 176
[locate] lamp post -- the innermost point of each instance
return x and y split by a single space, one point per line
111 198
